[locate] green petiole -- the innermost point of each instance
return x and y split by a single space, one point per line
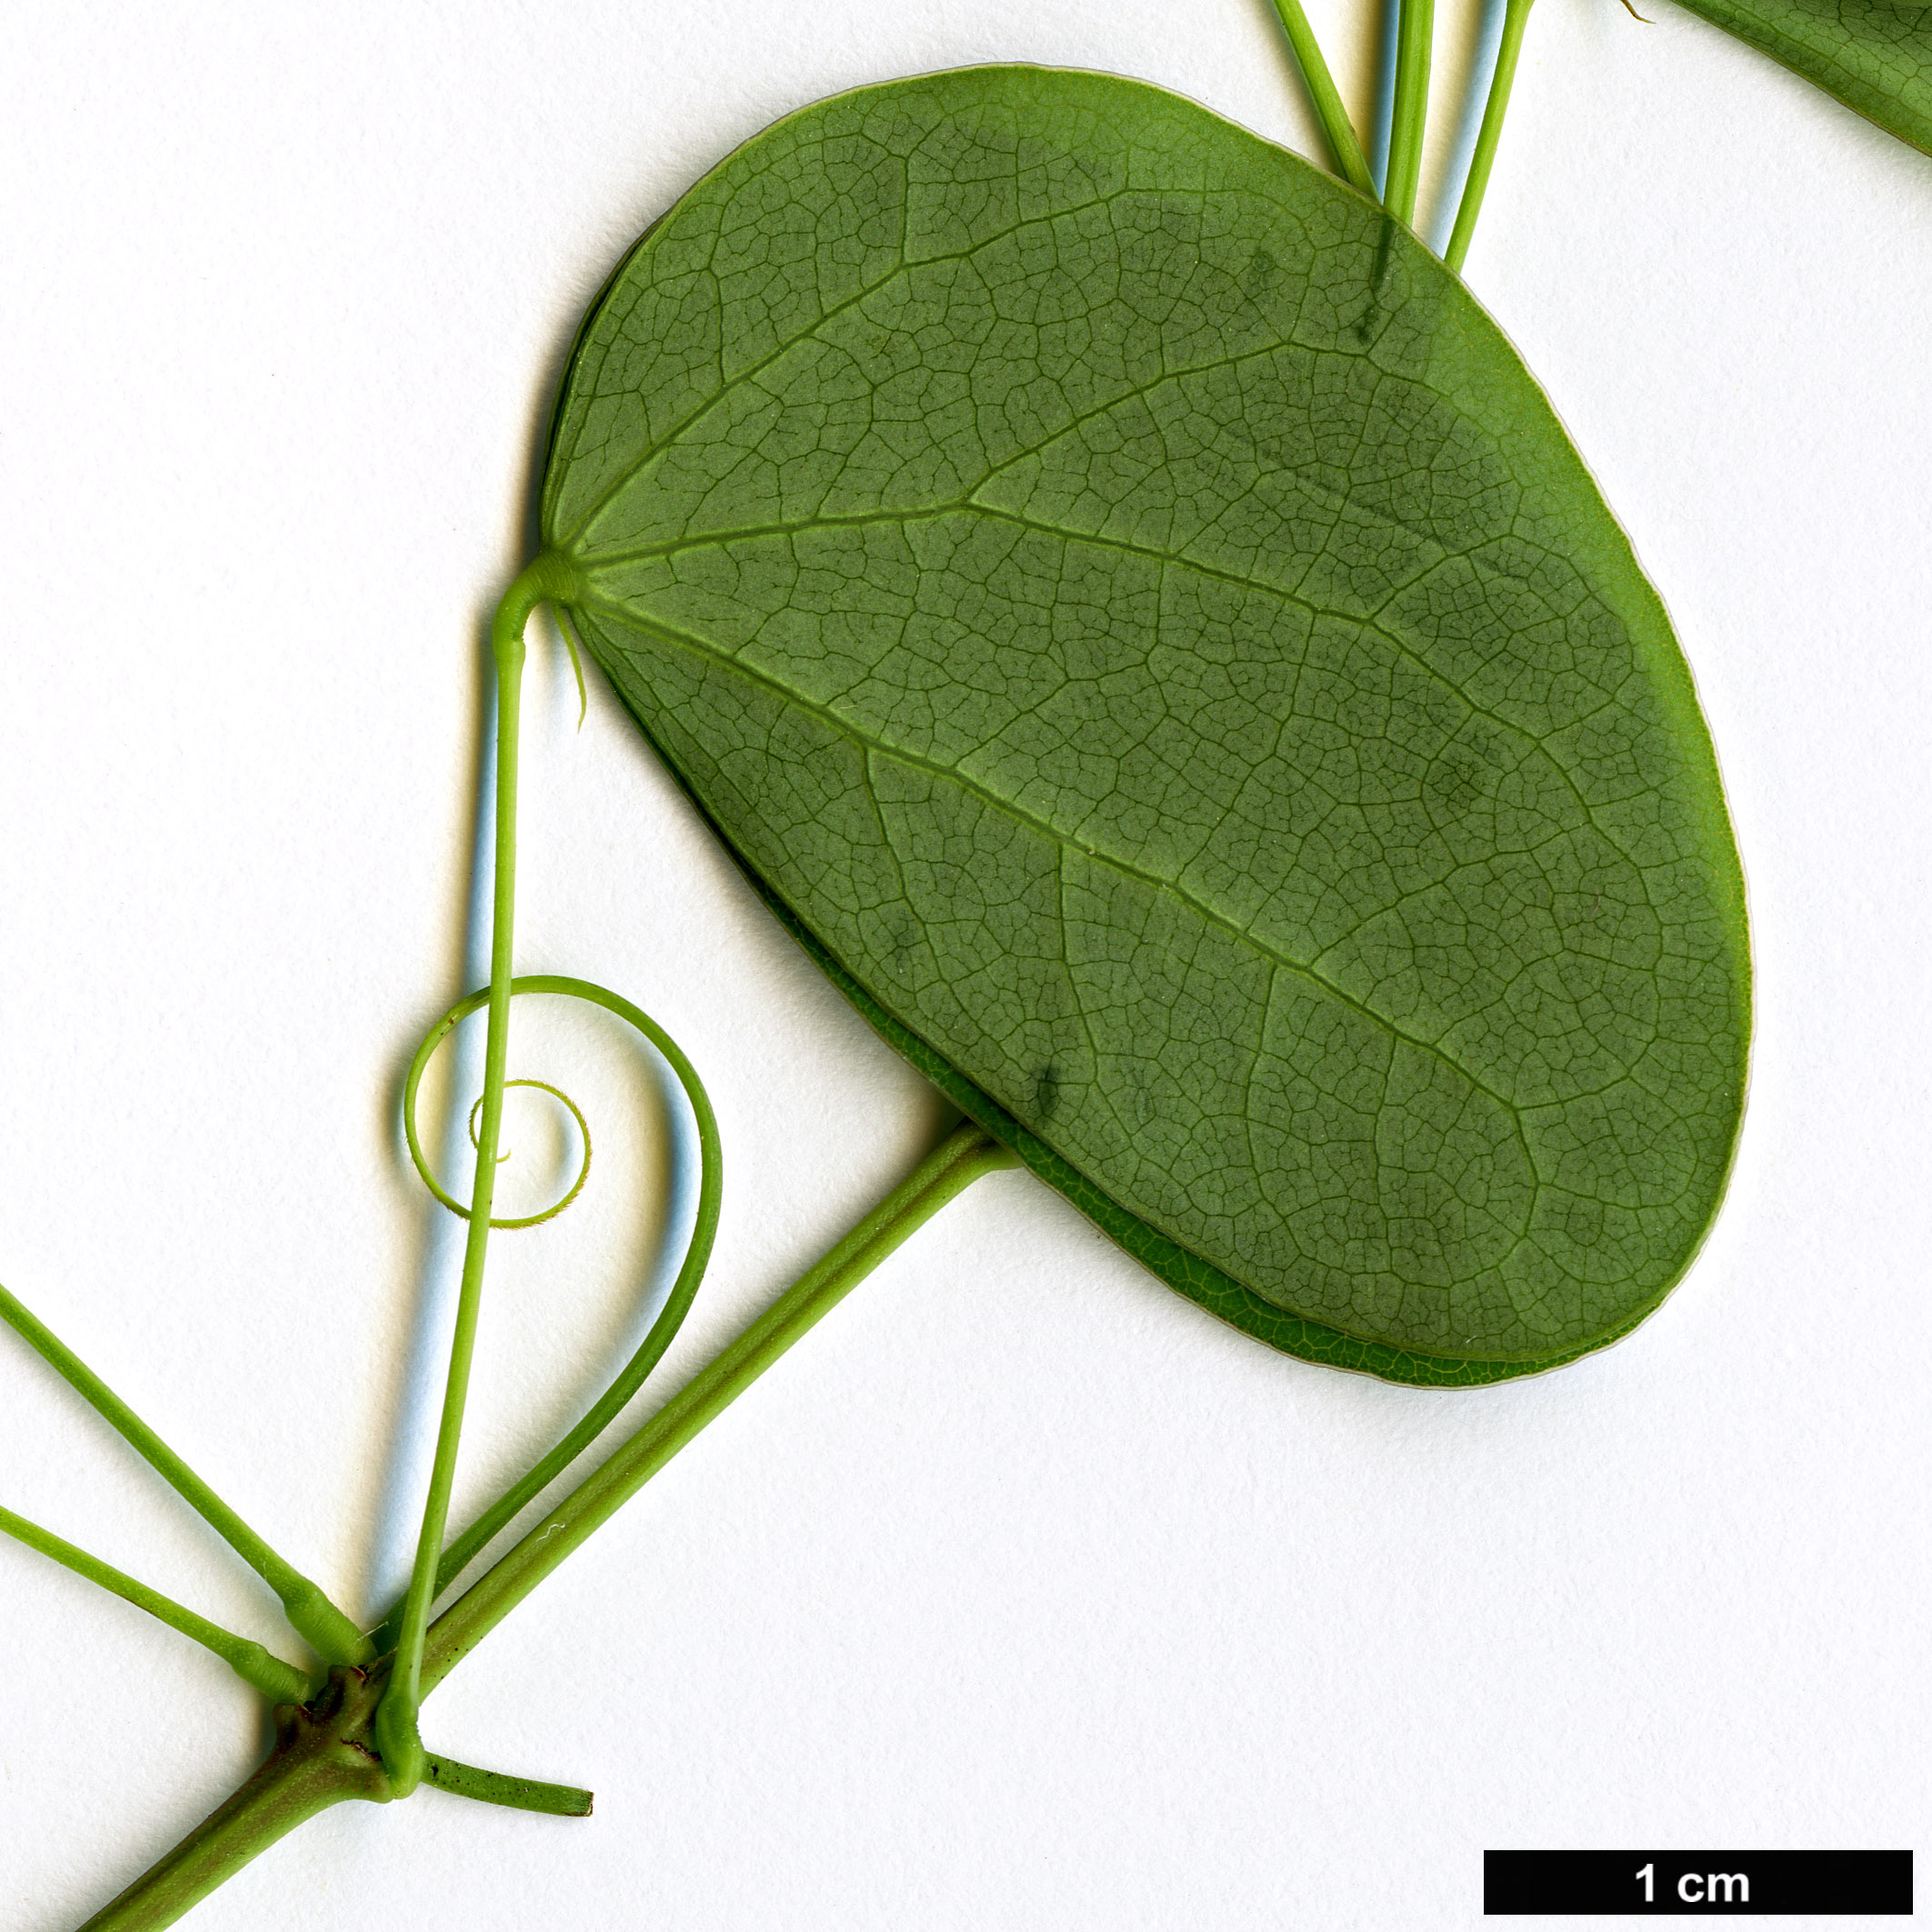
1414 36
280 1683
1326 98
399 1739
1515 19
329 1632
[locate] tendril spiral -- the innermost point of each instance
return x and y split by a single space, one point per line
697 1252
597 995
557 1207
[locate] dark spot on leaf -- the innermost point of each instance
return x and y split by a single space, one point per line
1364 323
1046 1090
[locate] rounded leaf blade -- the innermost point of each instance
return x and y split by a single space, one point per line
1135 617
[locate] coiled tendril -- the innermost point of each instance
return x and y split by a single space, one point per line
697 1252
576 1187
425 1053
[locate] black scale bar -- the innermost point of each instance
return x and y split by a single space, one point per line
1681 1883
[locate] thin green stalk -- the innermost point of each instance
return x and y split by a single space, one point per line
400 1742
1515 18
960 1159
1327 99
493 1788
328 1631
1415 39
280 1683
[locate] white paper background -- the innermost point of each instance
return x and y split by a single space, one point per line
1022 1594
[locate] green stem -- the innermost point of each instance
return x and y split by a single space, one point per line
1327 100
328 1631
280 1683
1515 18
960 1159
396 1725
321 1757
1413 40
325 1753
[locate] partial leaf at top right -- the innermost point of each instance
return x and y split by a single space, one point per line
1876 58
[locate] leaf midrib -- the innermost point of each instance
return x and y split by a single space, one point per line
965 505
950 774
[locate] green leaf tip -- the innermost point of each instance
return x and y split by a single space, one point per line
1132 611
1876 58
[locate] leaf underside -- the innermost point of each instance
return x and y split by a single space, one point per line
1137 622
1876 58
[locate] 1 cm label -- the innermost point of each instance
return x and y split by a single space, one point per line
1700 1887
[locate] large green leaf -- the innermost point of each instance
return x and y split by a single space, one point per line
1877 58
1139 622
